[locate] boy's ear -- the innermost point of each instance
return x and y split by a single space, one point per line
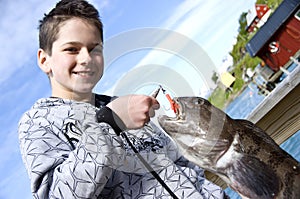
43 61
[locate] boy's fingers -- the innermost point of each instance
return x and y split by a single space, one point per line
154 104
151 112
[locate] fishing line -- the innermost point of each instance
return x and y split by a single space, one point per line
106 115
144 162
148 166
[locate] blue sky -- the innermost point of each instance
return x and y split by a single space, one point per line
211 24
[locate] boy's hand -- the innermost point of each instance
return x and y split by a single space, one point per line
134 110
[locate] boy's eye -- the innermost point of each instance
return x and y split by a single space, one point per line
71 50
97 49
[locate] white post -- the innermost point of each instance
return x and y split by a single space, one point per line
295 60
284 70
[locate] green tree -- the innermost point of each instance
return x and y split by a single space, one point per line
215 77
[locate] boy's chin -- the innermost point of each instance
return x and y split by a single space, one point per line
85 91
81 92
84 88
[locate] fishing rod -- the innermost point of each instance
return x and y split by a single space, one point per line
106 115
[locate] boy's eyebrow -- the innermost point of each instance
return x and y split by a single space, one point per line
79 43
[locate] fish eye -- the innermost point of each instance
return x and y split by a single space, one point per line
199 101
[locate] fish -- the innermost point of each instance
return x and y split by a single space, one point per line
239 152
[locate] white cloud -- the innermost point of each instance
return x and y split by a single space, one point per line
199 20
196 20
181 11
212 24
19 32
185 21
104 4
19 39
15 185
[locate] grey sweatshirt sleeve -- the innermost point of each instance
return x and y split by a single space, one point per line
55 168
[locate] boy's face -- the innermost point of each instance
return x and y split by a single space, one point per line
76 63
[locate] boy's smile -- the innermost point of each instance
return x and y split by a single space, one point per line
76 62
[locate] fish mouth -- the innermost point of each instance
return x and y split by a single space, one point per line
179 108
179 113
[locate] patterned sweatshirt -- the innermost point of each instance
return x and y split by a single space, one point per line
68 154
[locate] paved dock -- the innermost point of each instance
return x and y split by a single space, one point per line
279 113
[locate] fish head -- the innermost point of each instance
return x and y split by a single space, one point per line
186 109
198 129
194 116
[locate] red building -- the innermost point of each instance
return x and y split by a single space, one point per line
256 18
279 38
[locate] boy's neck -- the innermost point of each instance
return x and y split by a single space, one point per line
80 97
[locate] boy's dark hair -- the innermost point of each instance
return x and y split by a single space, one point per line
64 10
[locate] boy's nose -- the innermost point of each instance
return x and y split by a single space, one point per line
84 56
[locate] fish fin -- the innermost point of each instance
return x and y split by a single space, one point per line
253 178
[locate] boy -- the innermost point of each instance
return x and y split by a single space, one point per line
67 153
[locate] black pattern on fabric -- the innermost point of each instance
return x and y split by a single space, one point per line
152 143
69 155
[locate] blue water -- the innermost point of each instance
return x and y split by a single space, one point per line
245 103
241 107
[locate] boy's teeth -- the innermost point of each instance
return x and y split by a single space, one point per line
83 73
